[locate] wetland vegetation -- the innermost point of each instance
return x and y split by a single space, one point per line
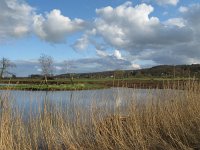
160 119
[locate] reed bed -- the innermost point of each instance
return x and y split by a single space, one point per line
165 120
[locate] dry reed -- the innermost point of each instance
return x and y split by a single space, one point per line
169 120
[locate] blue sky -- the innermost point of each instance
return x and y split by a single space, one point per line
99 35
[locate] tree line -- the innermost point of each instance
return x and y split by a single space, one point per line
5 65
45 61
47 68
46 65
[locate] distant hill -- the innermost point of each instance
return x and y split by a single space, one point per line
171 71
156 71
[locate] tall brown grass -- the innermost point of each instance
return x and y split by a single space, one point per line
169 120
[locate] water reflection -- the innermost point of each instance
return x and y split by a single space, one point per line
70 101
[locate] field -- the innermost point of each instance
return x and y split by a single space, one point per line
169 121
51 87
87 84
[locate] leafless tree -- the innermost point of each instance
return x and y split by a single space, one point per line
46 63
66 69
5 64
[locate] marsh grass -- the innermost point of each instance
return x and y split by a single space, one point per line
52 87
167 120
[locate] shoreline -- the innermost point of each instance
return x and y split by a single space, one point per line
34 87
94 86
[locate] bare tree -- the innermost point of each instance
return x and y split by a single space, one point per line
67 67
46 63
5 64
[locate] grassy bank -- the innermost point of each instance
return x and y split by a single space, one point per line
51 87
171 120
65 84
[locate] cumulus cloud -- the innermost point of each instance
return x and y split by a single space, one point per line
55 27
131 28
83 42
125 25
183 9
128 28
58 68
101 53
118 54
146 38
167 2
135 66
193 19
179 22
15 18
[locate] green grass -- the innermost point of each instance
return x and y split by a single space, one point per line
90 79
88 83
52 87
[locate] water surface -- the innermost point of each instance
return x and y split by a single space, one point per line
106 99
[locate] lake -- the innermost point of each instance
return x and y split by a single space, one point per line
70 101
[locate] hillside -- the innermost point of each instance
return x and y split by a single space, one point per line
156 71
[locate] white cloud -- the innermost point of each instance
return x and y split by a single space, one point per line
125 25
55 27
101 53
131 28
179 22
58 68
135 66
118 54
167 2
15 18
144 37
82 43
20 30
183 9
39 69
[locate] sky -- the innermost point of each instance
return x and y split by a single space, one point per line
99 35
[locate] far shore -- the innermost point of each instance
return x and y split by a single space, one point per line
89 84
52 87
